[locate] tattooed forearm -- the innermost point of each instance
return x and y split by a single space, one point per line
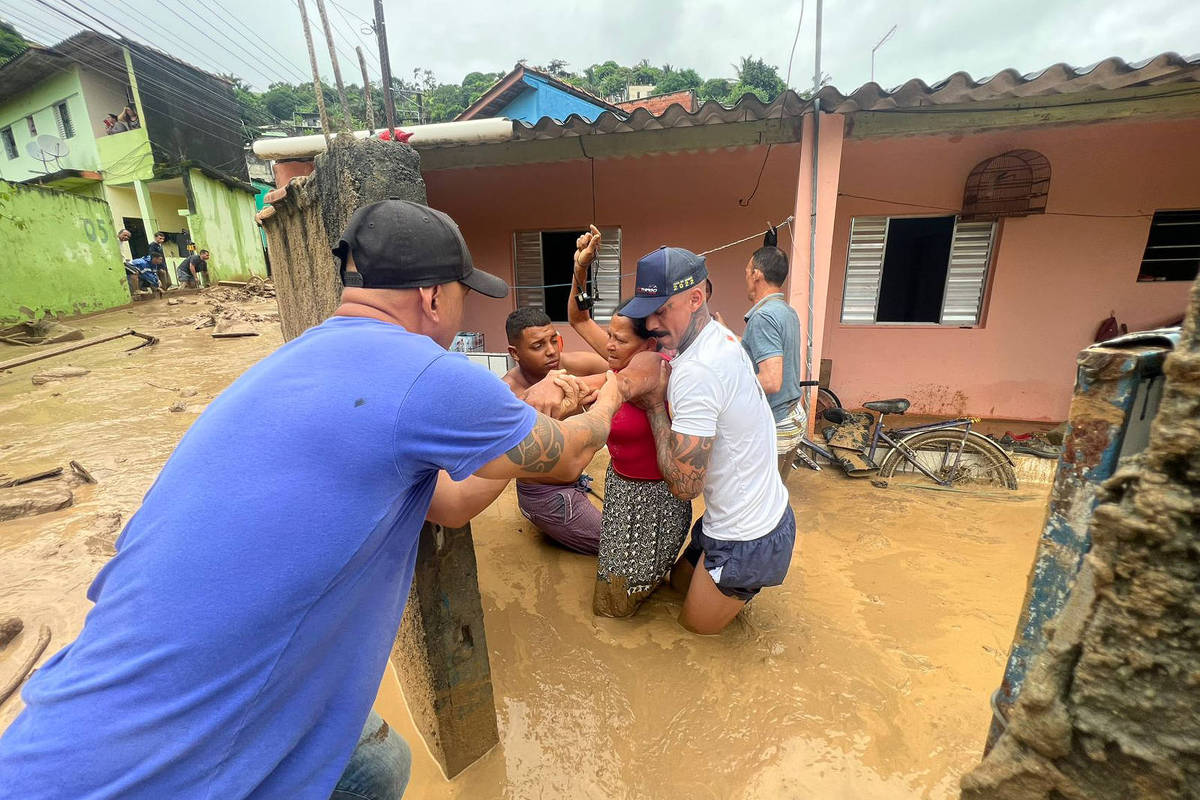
682 459
541 450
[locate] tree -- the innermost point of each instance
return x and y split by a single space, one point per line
643 74
282 100
757 74
557 67
678 81
714 89
11 42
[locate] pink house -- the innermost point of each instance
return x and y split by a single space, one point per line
970 237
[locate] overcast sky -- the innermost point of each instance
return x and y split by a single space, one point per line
935 38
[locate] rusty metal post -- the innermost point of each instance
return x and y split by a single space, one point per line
1117 390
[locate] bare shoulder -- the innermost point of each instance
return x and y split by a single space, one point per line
514 380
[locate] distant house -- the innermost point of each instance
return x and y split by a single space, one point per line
182 170
656 104
528 95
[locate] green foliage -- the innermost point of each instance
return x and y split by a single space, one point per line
714 89
11 42
757 74
678 81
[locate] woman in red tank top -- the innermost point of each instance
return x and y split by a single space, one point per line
644 525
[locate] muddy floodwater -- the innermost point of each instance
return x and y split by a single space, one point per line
866 675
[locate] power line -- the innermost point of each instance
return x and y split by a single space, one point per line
280 74
291 65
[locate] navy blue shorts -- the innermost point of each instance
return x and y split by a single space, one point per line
741 569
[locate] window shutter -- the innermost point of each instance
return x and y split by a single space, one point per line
970 252
864 267
606 275
527 245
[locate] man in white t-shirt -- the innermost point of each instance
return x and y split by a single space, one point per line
719 439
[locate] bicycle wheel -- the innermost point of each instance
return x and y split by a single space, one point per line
826 399
982 463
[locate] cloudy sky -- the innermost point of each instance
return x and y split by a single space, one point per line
262 40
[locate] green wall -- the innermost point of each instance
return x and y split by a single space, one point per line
126 157
58 254
222 222
39 103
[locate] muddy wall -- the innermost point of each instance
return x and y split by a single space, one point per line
222 222
58 254
1109 709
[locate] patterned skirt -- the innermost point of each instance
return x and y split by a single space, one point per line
643 531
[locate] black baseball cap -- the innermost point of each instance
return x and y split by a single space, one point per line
399 244
665 272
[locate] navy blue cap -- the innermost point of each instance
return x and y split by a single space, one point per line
665 272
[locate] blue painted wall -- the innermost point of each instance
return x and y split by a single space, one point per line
542 99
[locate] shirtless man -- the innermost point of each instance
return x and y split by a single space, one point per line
564 513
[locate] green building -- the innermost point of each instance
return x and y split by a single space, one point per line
181 170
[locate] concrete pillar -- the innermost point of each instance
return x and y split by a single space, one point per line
146 208
830 136
440 652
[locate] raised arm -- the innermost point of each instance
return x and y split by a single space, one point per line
580 319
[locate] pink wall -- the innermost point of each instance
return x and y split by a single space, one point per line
688 199
1054 277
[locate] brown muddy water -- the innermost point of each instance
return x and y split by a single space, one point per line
866 675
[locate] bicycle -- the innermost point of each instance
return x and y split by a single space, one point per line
948 453
826 399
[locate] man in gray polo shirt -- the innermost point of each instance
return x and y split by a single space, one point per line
772 340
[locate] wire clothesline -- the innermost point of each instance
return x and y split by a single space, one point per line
787 223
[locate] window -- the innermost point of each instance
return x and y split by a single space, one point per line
62 116
32 126
10 144
916 270
546 259
1173 247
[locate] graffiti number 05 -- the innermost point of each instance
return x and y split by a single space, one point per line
96 230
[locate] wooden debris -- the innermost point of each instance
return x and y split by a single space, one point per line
39 476
230 329
59 374
13 683
29 501
79 470
58 351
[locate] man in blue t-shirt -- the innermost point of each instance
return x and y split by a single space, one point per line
239 635
772 340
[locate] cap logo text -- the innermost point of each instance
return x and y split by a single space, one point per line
651 289
683 284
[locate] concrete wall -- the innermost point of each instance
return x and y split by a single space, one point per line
39 103
689 200
58 254
1054 278
544 100
222 222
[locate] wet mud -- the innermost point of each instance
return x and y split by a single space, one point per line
866 675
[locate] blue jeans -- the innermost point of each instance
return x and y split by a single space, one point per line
379 767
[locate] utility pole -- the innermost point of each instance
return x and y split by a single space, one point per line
337 71
385 67
312 60
878 45
420 108
362 63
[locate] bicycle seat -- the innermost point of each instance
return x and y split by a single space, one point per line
897 405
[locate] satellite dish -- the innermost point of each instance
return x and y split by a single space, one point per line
34 150
52 146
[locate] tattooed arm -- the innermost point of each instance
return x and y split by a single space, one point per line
558 450
682 459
